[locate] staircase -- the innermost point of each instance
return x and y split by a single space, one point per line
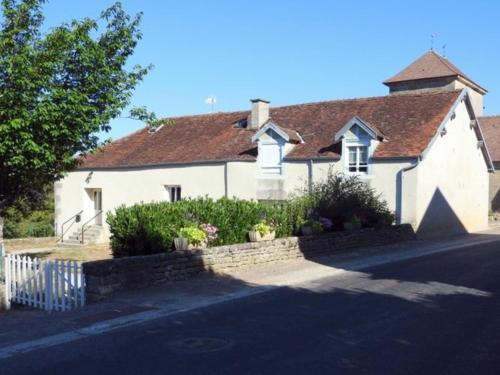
91 236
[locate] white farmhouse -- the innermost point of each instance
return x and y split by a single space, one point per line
421 147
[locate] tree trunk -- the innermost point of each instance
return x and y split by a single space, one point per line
2 220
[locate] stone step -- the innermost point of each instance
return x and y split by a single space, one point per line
89 231
74 243
75 236
91 235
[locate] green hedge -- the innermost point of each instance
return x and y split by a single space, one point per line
151 228
31 217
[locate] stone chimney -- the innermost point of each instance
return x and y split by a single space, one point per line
260 113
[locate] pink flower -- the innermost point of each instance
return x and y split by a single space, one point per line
210 230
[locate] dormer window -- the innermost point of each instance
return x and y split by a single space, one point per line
271 158
358 159
359 140
271 141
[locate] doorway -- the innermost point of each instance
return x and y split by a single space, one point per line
97 198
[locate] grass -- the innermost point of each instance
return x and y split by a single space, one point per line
48 251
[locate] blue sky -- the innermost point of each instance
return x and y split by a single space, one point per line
293 51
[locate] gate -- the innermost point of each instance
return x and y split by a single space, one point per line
49 285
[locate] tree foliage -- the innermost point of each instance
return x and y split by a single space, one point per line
58 90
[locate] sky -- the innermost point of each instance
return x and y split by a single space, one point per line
293 51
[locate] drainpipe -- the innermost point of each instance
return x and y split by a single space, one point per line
225 180
310 176
401 172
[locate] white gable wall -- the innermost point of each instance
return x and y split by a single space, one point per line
452 181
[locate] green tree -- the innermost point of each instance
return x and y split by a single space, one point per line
58 90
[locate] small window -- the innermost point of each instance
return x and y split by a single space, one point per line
358 159
270 156
174 193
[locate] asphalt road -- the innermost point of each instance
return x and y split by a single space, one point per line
438 314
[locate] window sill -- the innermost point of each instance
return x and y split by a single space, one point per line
271 176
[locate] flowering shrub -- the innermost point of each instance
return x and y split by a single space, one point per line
341 197
210 230
194 235
325 222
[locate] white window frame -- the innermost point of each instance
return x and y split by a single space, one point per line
358 165
361 141
267 170
174 192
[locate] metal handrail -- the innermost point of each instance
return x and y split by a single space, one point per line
88 221
67 221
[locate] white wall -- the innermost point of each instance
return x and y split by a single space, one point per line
129 186
476 97
384 179
454 167
452 180
242 180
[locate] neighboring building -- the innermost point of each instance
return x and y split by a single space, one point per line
421 147
491 131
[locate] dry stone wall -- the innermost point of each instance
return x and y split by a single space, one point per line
107 276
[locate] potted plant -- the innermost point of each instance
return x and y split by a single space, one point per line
311 227
355 223
261 232
190 235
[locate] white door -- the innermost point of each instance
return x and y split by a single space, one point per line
98 206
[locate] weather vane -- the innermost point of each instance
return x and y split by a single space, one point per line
211 100
433 37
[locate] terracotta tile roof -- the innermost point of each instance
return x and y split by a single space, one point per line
430 65
491 130
409 121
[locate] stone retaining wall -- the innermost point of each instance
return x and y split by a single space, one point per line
107 276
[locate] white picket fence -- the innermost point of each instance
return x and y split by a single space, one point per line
49 285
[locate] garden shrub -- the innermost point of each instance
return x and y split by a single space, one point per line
345 198
151 228
31 217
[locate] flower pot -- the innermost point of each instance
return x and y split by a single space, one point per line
202 245
269 237
306 230
255 236
348 225
181 243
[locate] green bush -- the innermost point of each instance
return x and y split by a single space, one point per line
194 235
31 217
151 228
343 198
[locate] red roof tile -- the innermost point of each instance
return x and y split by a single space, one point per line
430 65
409 121
491 130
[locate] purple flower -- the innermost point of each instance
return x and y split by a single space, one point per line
326 222
210 230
